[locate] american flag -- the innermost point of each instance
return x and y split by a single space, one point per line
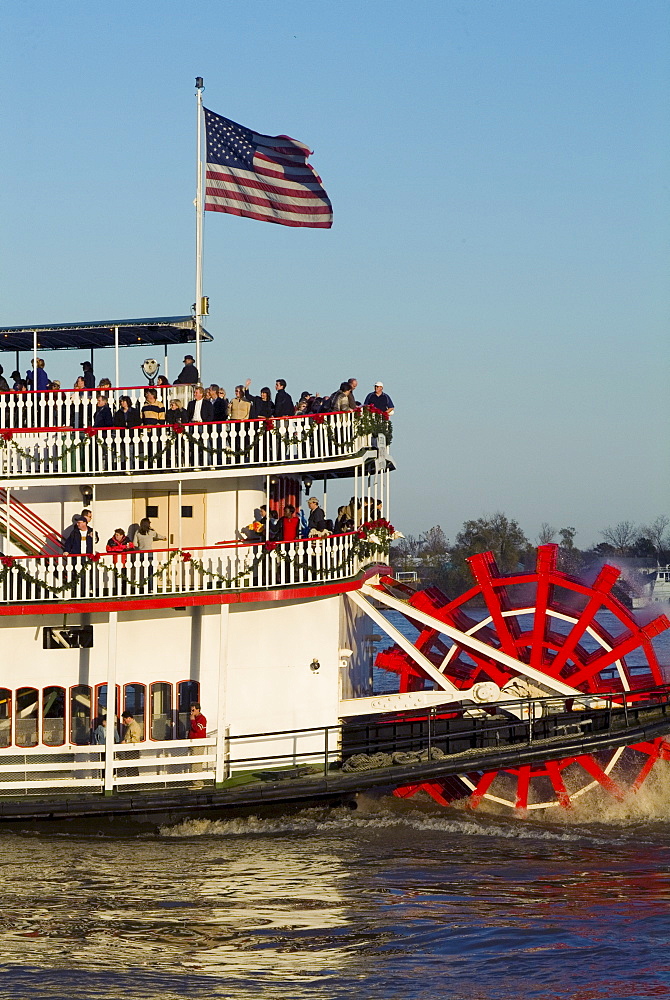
264 177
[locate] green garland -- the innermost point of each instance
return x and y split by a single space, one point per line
372 540
366 421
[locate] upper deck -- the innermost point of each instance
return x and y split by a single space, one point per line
52 434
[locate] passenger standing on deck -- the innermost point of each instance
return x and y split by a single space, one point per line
199 410
126 415
89 377
316 516
42 379
132 734
197 731
380 399
153 411
189 373
145 536
283 403
240 408
80 540
103 414
289 524
353 382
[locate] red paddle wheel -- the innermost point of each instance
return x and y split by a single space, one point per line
567 631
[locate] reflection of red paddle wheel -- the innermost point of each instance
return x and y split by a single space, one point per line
565 635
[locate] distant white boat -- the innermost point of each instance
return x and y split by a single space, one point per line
657 590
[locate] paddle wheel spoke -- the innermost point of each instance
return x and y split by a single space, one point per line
563 630
558 785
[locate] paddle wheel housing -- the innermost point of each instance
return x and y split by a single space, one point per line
566 631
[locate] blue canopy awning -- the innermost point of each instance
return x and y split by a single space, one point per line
75 336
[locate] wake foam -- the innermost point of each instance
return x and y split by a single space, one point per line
373 815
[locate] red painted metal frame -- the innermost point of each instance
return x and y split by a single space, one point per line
558 655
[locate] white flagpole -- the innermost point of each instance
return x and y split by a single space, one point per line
199 217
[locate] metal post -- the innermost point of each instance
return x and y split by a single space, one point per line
325 754
325 497
222 749
111 702
179 525
199 212
8 490
33 398
165 360
116 357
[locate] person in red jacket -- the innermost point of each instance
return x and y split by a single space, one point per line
197 731
290 524
198 728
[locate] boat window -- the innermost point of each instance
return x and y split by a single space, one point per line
26 717
133 701
101 702
187 692
53 716
80 714
5 717
161 711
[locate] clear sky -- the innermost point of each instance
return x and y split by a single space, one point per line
499 256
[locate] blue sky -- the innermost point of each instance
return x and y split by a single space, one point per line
499 258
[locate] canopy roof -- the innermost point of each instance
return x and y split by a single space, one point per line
132 333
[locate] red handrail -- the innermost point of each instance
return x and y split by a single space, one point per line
167 423
234 543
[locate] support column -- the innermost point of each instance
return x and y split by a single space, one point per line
221 716
111 701
116 361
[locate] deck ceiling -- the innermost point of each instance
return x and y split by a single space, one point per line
75 336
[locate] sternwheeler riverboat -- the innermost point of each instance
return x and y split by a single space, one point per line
527 692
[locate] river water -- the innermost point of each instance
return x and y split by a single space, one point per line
394 899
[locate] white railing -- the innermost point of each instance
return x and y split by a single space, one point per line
76 408
37 452
153 765
230 567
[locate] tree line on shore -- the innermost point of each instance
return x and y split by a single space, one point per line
437 561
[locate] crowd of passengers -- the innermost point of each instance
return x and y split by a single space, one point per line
82 539
210 404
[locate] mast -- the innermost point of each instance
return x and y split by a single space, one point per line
199 218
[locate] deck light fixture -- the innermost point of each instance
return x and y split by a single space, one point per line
315 665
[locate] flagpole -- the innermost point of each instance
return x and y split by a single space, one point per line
199 216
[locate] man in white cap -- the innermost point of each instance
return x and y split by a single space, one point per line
380 399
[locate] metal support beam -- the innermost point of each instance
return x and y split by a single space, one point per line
221 727
469 641
422 661
111 701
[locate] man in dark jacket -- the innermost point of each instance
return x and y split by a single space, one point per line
219 404
89 377
189 373
80 541
199 410
127 415
316 515
283 403
103 415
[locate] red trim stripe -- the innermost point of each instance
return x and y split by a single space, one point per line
193 600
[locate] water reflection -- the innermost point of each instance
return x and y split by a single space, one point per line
393 900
